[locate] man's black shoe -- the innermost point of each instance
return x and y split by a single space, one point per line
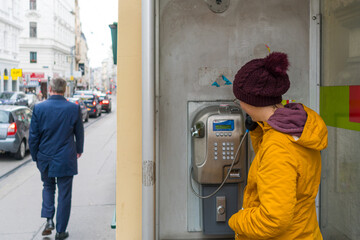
49 226
61 235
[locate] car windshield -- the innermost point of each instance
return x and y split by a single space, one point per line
4 116
74 100
86 98
7 95
83 92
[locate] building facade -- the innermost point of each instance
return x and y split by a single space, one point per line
83 65
96 78
108 73
10 29
47 43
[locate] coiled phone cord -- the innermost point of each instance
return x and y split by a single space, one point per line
227 175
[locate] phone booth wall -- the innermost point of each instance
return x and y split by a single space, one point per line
199 50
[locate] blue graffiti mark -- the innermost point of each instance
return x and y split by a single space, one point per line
215 84
227 81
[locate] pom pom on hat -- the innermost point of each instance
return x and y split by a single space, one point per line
277 63
262 82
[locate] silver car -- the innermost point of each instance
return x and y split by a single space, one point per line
14 129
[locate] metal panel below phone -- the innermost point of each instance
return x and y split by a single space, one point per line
220 208
215 221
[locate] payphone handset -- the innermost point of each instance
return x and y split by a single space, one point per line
215 138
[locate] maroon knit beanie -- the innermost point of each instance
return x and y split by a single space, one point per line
262 82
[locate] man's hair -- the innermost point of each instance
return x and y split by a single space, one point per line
58 85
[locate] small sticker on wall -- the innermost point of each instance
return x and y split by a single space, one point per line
287 101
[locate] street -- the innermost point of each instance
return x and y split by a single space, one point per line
93 199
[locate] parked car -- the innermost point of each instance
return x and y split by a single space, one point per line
92 103
14 129
84 111
32 100
105 101
13 98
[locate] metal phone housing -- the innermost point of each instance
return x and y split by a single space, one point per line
216 131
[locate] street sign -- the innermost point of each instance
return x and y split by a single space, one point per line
15 73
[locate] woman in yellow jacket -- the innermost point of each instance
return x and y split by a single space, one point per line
284 177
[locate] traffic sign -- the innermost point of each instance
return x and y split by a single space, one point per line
15 73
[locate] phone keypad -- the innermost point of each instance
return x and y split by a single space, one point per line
226 150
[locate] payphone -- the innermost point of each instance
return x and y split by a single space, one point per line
218 163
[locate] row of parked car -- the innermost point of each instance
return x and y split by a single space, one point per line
16 111
92 103
18 98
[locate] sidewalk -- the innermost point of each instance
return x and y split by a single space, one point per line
93 201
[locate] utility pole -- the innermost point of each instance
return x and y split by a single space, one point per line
77 39
72 71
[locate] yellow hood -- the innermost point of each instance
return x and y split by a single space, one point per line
315 134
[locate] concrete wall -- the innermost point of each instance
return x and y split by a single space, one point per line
196 47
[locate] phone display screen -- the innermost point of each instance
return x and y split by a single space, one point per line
223 125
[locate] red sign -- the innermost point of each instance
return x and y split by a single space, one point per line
354 104
34 74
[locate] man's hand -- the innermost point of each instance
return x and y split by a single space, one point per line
78 155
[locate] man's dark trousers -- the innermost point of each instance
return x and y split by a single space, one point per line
64 199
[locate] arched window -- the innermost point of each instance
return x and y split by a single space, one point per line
6 74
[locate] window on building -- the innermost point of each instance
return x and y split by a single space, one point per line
6 41
33 30
33 57
32 4
6 74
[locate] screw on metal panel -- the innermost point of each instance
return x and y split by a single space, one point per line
314 18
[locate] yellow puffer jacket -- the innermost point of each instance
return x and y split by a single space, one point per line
283 181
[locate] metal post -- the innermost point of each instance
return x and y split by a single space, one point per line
72 72
314 71
148 119
18 84
1 80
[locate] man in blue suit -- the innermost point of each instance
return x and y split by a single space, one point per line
56 141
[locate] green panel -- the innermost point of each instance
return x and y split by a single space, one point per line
334 107
113 28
